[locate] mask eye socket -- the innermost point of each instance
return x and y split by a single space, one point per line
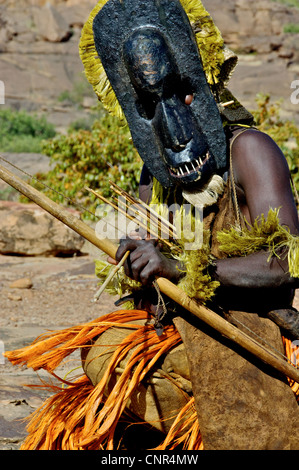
182 89
147 101
146 105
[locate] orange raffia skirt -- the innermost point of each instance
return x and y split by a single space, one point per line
79 416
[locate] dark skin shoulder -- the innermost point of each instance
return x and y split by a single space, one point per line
262 182
262 178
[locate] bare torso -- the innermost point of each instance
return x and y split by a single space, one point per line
262 182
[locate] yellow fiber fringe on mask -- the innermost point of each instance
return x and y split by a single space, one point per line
264 234
208 37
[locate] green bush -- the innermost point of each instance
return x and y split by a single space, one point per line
292 28
22 132
291 3
92 158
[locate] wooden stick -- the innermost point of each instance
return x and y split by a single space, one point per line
102 198
110 276
164 231
228 103
146 207
166 287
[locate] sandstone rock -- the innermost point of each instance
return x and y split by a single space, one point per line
251 22
88 102
50 25
26 229
24 3
75 14
36 69
14 298
290 47
24 283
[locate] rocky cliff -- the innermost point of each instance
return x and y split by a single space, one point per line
39 52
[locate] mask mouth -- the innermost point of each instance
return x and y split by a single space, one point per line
189 169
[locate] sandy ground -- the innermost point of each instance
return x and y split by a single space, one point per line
61 296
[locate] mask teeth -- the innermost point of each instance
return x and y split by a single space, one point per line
190 167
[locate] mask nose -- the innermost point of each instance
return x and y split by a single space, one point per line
173 121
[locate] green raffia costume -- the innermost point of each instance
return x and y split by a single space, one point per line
129 366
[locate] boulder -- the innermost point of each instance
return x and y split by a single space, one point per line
251 26
50 24
26 229
39 56
23 283
24 3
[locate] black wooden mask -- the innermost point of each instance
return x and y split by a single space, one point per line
150 56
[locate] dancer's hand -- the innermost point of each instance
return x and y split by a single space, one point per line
146 261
